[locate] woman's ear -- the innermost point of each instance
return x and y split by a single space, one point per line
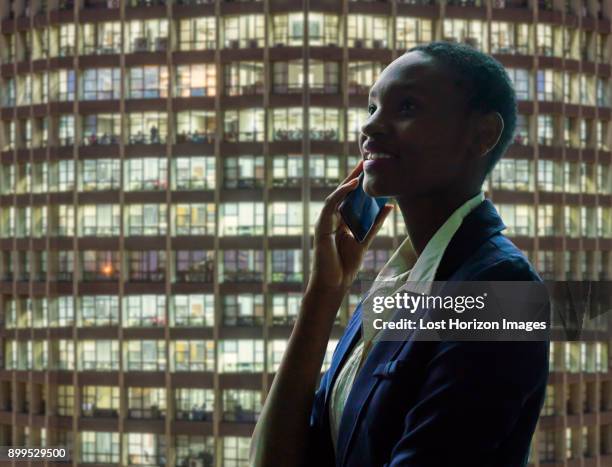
489 129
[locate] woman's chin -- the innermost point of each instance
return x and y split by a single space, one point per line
377 188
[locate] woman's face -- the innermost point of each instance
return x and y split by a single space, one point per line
417 114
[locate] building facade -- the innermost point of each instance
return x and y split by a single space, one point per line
162 163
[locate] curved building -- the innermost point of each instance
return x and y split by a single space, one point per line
161 167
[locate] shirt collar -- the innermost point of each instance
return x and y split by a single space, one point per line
421 269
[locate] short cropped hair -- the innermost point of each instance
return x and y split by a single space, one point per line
489 85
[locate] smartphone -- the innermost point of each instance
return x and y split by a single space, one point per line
359 210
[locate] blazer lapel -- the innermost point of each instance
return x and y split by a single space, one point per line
346 343
482 223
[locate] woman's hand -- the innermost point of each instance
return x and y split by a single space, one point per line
337 254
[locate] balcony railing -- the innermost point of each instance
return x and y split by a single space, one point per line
100 139
141 138
195 137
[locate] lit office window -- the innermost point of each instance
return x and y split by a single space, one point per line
99 220
243 31
241 266
65 39
324 170
146 449
197 33
10 355
146 266
101 129
243 218
235 451
193 173
61 176
325 124
276 349
146 35
99 265
39 312
99 447
410 32
518 218
513 174
194 449
149 173
521 82
63 85
147 128
65 354
196 80
101 38
193 219
243 172
368 30
194 404
471 32
145 355
545 129
61 311
245 77
194 265
65 130
98 355
98 310
147 82
288 29
193 355
40 355
241 405
100 401
510 38
571 177
99 174
101 84
285 218
243 310
546 451
603 95
238 356
356 119
192 310
287 124
65 400
195 126
546 220
324 29
144 310
285 308
286 265
287 170
145 219
243 125
147 403
544 39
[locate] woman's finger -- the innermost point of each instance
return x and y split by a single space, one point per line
325 223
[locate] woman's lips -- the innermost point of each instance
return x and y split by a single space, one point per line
377 163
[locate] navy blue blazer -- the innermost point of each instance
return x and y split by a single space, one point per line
441 404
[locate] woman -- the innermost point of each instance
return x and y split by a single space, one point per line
445 113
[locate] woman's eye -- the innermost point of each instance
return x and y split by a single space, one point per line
370 108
